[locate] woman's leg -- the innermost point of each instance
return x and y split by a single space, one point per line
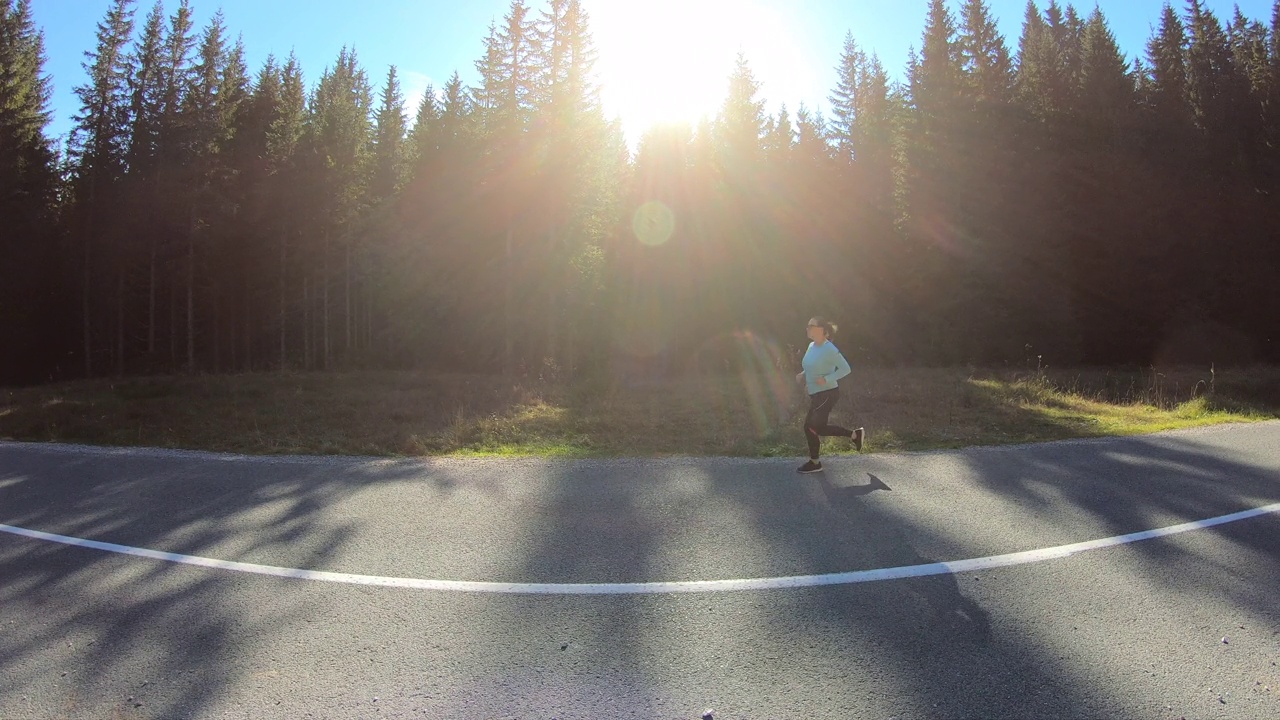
816 422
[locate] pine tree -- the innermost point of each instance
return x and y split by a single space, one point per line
1064 57
340 140
779 138
1215 86
845 99
205 132
246 270
178 44
146 96
426 118
169 202
1248 40
28 184
506 98
389 171
99 139
434 267
389 141
563 40
1107 91
235 269
874 134
509 84
1043 84
936 79
457 119
145 87
1272 112
984 56
1166 54
810 137
26 158
1028 68
745 236
577 194
98 145
283 136
287 126
741 120
1249 52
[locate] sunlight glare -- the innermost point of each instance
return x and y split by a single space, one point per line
669 61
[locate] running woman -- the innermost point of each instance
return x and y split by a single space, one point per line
823 368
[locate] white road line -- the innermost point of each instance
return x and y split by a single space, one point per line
686 586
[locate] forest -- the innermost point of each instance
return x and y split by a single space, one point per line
1010 202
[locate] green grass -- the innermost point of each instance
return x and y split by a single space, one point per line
411 414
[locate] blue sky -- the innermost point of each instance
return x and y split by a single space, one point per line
659 59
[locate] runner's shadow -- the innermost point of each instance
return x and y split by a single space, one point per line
836 495
938 596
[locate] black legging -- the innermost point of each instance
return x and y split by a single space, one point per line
815 423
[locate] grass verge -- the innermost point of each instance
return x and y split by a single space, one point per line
408 414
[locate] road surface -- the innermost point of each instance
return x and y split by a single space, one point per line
941 584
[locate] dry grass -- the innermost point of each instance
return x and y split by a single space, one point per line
422 414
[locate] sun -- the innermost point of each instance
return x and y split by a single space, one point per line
668 61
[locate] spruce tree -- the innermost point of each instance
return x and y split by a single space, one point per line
98 144
340 136
741 120
1107 91
419 141
984 56
1272 111
1215 86
937 78
389 141
845 100
28 186
26 158
204 133
1166 55
285 195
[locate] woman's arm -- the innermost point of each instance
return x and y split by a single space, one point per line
842 367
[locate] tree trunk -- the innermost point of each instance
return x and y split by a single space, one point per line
324 288
120 322
191 297
368 324
85 304
284 241
217 331
306 322
151 302
88 335
347 299
249 325
506 307
231 338
553 297
173 321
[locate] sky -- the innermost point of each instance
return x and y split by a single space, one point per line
659 60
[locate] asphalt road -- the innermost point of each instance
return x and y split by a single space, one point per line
1186 625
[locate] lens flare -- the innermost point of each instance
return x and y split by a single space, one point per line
756 363
762 380
653 223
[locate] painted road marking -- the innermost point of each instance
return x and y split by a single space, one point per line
684 586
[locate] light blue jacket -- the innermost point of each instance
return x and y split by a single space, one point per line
823 361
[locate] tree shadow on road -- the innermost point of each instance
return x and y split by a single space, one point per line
1132 484
923 646
94 634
